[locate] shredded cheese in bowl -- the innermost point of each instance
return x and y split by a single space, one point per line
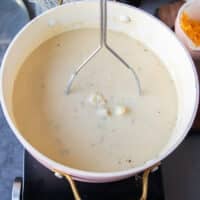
191 27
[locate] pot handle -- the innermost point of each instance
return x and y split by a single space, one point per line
145 180
73 187
71 182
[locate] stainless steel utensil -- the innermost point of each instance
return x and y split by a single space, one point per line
103 44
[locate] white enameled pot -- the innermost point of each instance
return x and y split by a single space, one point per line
141 26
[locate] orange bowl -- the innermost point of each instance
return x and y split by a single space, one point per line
192 8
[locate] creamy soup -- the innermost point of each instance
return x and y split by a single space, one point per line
103 124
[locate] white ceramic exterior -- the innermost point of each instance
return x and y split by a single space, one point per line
143 27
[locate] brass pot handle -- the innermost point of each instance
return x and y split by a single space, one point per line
71 182
145 180
73 187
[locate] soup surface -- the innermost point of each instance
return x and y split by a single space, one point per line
103 124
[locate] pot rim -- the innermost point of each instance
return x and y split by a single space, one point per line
54 165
